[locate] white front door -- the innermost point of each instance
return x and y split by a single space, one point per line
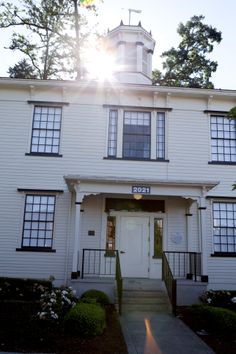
134 246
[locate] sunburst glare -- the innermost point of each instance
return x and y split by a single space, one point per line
100 63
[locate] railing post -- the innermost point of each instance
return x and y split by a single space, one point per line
195 266
82 275
174 295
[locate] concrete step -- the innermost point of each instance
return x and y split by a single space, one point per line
144 294
145 301
163 308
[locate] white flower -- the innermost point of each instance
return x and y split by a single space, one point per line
233 299
209 300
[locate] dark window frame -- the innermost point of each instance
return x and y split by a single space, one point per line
223 139
37 214
224 228
136 134
112 133
44 131
160 135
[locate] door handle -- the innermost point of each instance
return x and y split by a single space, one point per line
122 252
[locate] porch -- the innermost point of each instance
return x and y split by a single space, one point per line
181 281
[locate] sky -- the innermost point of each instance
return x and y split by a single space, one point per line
162 18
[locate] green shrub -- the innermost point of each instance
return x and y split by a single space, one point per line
219 321
85 320
220 298
23 289
99 296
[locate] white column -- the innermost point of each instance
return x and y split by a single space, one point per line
75 260
121 55
149 63
203 234
139 63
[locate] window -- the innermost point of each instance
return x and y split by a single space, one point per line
111 233
112 133
158 236
137 135
223 139
46 130
160 134
142 137
38 221
224 227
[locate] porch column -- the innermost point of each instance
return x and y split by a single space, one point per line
203 234
75 260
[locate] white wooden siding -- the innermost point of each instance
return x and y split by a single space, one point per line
83 146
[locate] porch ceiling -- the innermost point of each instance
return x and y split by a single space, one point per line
123 185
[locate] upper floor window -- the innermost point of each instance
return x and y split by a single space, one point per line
112 133
38 221
224 227
46 130
223 139
136 135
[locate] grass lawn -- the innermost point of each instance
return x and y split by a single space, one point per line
18 332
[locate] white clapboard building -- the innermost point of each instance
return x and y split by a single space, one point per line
92 173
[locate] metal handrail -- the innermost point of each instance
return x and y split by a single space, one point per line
170 282
119 282
103 262
184 264
98 262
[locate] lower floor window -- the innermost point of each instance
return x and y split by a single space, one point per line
158 236
38 221
224 227
111 233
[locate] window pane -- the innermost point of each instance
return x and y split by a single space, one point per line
46 122
223 139
137 135
224 227
158 237
39 209
160 136
112 133
111 233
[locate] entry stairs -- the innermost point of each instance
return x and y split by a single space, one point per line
144 295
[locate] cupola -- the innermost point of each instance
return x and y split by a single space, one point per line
132 47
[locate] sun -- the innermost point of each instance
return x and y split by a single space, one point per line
100 63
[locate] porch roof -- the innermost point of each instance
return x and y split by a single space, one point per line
122 185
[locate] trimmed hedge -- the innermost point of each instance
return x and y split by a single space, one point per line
217 320
97 295
23 289
85 320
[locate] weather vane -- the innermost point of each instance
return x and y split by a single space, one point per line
133 10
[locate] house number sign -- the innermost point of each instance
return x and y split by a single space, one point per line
141 189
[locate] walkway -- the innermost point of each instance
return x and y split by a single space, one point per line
157 332
160 333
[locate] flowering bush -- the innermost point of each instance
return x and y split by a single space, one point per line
23 289
56 303
220 298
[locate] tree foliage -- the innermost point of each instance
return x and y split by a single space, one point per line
22 70
49 33
187 65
